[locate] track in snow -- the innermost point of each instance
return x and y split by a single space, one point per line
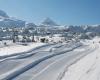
43 65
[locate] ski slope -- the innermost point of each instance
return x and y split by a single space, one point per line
48 62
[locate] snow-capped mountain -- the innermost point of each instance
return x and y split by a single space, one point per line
6 21
85 28
3 14
48 23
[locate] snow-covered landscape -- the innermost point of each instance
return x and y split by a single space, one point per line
48 51
18 48
58 61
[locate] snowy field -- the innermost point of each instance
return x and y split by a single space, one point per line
12 48
58 61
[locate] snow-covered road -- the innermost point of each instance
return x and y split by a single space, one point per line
45 63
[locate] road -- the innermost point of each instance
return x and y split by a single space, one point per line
44 63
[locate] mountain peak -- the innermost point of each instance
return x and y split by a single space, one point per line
3 14
49 22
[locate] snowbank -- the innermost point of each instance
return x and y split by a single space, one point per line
18 48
